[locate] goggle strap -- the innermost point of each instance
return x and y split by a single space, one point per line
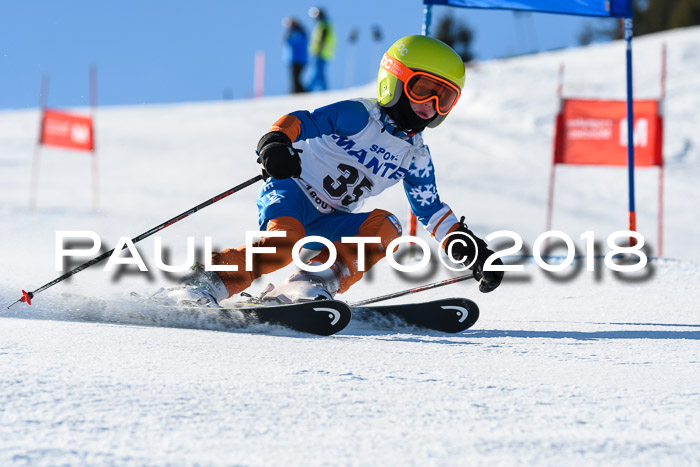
396 68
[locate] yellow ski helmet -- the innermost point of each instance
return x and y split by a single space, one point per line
426 69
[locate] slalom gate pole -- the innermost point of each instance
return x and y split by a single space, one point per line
413 290
27 296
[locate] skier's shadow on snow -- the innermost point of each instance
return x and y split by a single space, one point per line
588 336
472 337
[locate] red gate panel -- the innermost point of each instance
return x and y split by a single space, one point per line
594 132
67 130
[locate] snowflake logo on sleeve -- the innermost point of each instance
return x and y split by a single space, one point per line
425 194
421 167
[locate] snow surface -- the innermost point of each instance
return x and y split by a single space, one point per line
574 367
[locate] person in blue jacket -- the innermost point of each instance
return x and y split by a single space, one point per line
323 165
297 54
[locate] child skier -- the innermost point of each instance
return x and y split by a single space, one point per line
324 164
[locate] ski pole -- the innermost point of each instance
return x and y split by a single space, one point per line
413 290
27 296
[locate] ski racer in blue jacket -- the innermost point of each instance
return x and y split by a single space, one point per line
324 164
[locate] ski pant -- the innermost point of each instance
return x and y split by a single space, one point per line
319 78
296 69
284 207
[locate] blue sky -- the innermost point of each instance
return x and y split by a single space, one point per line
174 51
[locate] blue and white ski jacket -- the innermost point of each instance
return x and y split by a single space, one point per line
351 151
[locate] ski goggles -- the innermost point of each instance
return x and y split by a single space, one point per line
421 86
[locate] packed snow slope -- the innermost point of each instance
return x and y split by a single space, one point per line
574 367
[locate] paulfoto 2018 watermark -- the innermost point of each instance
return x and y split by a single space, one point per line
634 249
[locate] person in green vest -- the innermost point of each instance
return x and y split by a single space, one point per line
322 48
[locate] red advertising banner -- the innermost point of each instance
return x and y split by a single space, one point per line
594 132
67 130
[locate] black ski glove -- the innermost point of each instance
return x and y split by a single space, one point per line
277 155
463 249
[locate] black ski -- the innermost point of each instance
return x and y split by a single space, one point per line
320 317
450 315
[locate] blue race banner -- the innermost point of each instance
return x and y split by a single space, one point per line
605 8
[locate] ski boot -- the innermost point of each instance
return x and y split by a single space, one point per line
304 286
199 288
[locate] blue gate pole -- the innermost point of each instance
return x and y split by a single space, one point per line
630 128
412 220
427 18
